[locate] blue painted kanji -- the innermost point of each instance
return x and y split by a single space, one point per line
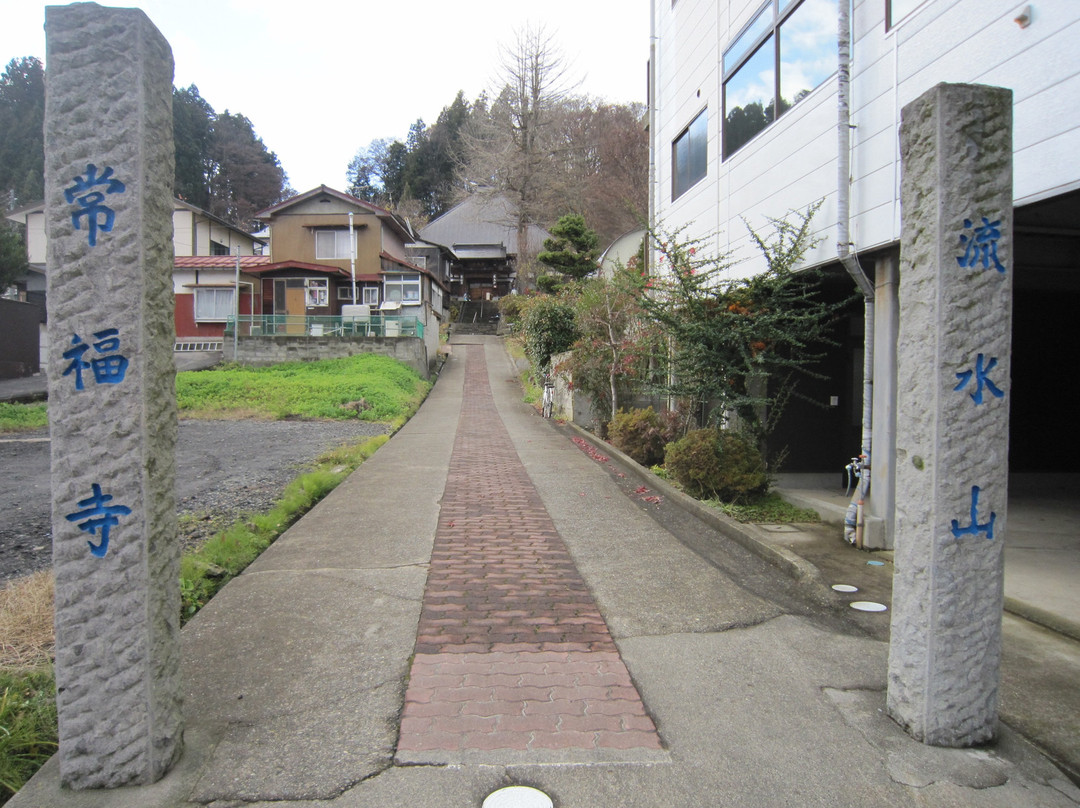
982 246
975 528
982 379
97 215
98 515
110 368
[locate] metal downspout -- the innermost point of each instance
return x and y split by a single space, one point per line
849 260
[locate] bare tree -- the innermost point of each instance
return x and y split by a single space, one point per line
602 165
510 148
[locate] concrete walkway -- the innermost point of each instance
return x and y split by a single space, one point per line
392 649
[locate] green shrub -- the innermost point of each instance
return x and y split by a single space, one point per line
511 308
719 464
642 434
548 328
550 284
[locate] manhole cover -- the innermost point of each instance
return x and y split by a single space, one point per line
868 606
845 588
517 797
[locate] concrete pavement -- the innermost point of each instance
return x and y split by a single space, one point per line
298 674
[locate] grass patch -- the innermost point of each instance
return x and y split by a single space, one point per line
22 417
366 386
533 393
28 735
771 509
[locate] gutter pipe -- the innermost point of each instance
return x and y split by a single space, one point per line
850 262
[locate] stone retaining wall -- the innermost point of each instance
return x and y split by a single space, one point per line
271 350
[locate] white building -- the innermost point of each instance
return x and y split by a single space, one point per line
724 148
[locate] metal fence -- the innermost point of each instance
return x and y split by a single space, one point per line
375 325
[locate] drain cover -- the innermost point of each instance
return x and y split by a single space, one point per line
517 797
868 606
845 588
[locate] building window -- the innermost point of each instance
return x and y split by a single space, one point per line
370 295
403 288
214 304
333 244
217 248
786 50
317 294
689 155
896 10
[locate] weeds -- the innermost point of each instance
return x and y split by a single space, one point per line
770 509
28 735
368 387
22 417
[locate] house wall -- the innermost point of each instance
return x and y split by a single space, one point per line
192 234
35 237
792 163
271 350
184 297
292 235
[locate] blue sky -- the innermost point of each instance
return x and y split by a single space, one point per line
320 79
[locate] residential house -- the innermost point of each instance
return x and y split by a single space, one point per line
751 118
481 235
330 250
204 277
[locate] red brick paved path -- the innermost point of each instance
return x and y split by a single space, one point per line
512 655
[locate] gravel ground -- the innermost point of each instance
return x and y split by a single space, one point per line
223 469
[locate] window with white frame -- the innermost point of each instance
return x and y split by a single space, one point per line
214 304
689 155
403 288
333 244
783 53
370 295
317 292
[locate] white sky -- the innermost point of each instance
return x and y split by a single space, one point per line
320 79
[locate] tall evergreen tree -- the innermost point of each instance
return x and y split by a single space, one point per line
22 139
245 176
193 132
12 254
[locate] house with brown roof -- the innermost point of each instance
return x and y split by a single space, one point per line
330 251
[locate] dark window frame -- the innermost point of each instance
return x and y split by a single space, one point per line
695 134
890 21
768 35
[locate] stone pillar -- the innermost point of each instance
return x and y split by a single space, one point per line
112 402
882 502
953 413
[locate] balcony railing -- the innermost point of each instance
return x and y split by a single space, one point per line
296 325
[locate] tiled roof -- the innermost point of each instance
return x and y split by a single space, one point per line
326 269
482 219
219 261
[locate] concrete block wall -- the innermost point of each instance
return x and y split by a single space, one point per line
271 350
